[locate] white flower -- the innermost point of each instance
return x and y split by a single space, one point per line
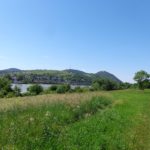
47 114
31 119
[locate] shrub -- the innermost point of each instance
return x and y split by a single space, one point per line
50 89
104 84
17 91
142 78
5 86
63 88
35 89
78 89
10 94
53 88
2 94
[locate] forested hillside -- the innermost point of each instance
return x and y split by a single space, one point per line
69 76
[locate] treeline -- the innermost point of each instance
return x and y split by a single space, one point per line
49 78
73 77
6 89
141 77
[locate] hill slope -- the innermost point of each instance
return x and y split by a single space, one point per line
70 76
10 70
105 74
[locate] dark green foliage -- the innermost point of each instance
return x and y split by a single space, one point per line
10 95
70 76
53 88
104 84
63 88
125 85
107 76
78 89
35 89
67 87
142 78
60 89
17 91
146 84
5 86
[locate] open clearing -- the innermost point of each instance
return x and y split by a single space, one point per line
117 120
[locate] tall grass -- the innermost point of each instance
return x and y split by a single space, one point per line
40 127
36 101
123 127
117 120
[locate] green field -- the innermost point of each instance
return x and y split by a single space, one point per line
117 120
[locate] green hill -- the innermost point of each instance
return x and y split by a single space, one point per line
69 76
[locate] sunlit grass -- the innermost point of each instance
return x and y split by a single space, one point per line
116 120
31 101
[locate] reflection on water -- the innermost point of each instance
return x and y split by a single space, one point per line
24 87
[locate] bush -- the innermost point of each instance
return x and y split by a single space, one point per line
105 84
53 88
78 89
17 91
5 84
50 89
2 94
35 89
5 87
10 94
63 88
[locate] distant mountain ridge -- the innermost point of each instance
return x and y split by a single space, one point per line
105 74
9 70
70 76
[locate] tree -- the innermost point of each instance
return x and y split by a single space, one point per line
104 84
17 91
125 85
35 89
5 86
141 77
63 88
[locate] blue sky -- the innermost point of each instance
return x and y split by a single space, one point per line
90 35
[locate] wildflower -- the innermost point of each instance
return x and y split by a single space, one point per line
47 114
87 115
12 124
31 119
78 106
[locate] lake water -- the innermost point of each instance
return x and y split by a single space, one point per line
24 87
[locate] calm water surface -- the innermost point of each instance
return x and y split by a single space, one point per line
24 87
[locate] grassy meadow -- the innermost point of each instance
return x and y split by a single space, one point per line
116 120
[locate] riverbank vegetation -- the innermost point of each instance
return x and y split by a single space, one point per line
141 77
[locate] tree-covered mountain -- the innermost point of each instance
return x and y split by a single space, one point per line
69 76
107 75
10 70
